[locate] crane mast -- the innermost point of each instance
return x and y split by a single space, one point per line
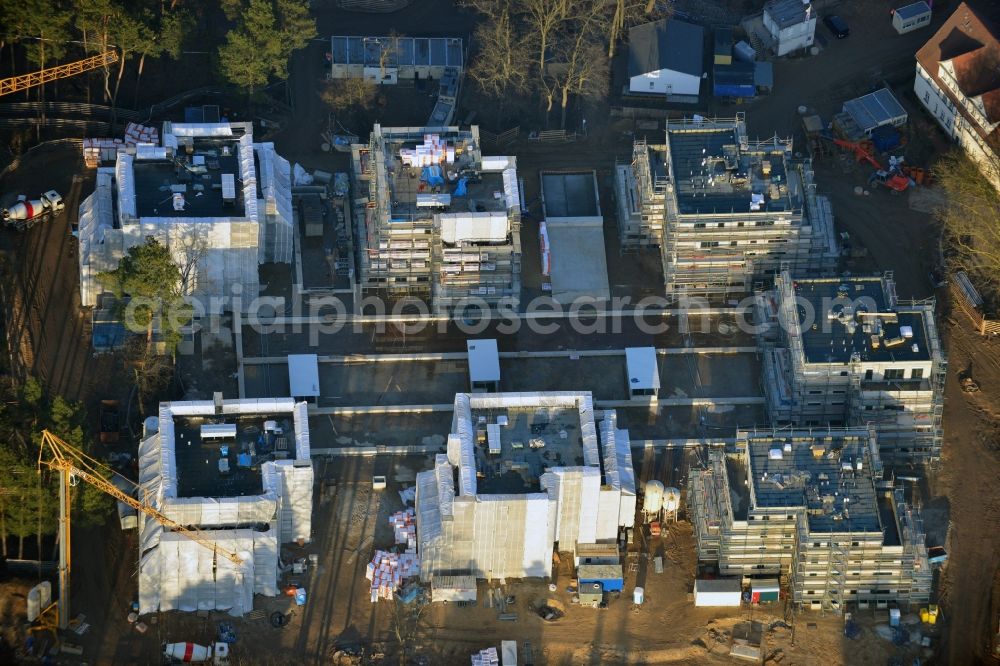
71 462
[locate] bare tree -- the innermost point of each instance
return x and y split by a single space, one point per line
502 66
629 13
971 217
586 73
542 19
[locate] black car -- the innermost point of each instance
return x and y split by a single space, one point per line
837 25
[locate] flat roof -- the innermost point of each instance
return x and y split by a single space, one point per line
819 474
875 109
718 585
578 263
713 174
643 372
570 194
599 572
534 439
197 459
484 360
157 180
844 323
303 375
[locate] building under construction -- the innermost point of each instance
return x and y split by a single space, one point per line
848 352
532 470
436 219
220 202
726 211
811 507
240 473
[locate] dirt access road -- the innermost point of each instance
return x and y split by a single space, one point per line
967 489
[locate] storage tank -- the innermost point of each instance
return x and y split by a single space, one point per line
653 499
671 500
638 596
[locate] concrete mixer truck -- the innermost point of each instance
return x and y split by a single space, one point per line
25 213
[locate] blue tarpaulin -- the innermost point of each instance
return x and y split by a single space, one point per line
460 190
432 175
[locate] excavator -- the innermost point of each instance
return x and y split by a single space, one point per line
20 82
74 466
892 178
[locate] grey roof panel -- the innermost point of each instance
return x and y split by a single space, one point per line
912 11
666 44
786 12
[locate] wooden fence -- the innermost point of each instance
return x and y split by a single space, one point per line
965 296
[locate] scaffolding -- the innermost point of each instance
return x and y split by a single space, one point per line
440 222
849 369
734 209
810 506
641 190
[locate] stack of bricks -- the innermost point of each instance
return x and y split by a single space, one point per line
404 525
136 133
387 571
487 657
96 151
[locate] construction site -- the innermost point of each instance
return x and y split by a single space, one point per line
725 211
768 478
240 473
811 507
533 475
437 220
217 200
848 352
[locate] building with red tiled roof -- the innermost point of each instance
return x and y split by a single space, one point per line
958 82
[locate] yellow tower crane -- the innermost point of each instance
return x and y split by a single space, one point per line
24 81
71 463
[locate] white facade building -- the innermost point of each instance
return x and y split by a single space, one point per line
529 474
247 494
666 58
791 25
958 83
219 202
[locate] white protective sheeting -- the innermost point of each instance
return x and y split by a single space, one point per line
300 419
454 449
467 456
126 188
428 509
487 227
150 151
493 163
511 191
445 486
200 129
96 220
292 483
248 174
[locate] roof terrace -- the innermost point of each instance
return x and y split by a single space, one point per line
831 476
856 318
714 174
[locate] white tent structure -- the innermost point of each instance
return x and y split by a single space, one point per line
179 193
176 573
510 535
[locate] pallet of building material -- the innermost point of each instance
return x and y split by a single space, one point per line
487 657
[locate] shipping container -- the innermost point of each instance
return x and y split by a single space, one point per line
765 590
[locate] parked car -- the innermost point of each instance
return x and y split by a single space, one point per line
837 25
